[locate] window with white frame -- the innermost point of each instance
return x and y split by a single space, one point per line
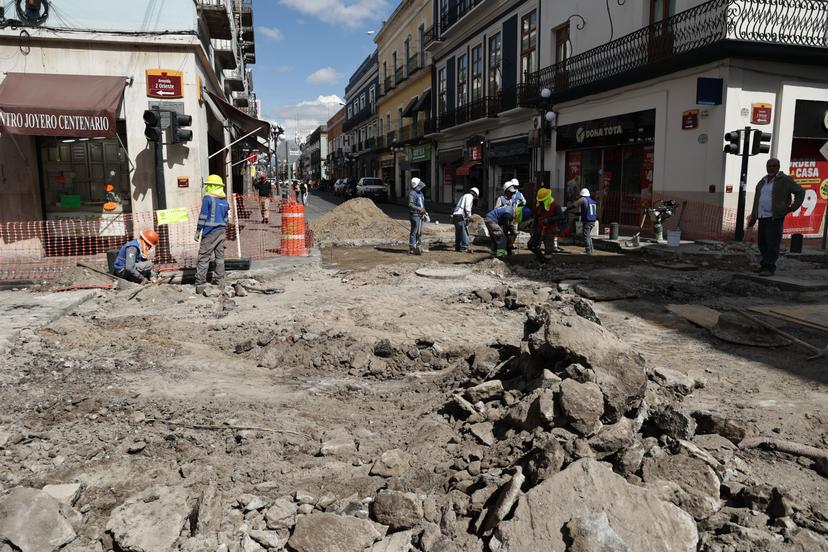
528 44
462 80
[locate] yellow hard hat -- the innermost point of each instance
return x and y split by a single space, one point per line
214 180
543 193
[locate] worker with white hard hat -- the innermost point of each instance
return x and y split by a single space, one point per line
460 217
589 216
416 215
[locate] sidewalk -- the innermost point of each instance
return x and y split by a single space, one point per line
25 310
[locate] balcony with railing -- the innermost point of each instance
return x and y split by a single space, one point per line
771 29
414 64
412 132
225 53
482 108
451 16
216 18
245 9
428 36
233 80
399 74
388 85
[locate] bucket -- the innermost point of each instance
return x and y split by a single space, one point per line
673 238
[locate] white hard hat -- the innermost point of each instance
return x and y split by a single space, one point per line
508 185
415 182
516 182
584 193
475 191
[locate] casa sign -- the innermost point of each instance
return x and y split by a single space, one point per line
164 84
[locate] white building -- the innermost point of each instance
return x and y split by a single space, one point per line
74 95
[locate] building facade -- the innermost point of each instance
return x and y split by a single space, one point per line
317 150
361 123
404 97
72 124
336 146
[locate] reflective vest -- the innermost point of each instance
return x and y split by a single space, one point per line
120 262
213 215
501 215
589 210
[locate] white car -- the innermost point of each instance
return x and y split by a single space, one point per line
339 186
372 187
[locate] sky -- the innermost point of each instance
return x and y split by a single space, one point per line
305 52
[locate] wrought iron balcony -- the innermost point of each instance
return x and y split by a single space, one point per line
233 80
388 85
216 17
487 106
399 74
770 29
428 36
413 64
412 132
451 16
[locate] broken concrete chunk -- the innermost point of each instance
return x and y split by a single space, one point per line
593 533
585 487
674 380
32 520
384 349
333 533
271 540
398 542
338 444
544 460
484 432
506 499
672 422
66 493
732 430
150 521
256 503
486 391
245 346
397 510
698 481
583 405
392 463
613 438
282 514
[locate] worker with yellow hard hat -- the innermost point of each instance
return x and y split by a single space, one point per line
211 229
134 261
549 217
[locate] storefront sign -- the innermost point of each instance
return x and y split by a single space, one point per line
419 154
183 182
165 84
690 119
475 153
760 113
173 216
809 218
632 128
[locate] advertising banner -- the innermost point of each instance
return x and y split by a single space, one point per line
809 218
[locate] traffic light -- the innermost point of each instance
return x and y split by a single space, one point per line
734 144
178 131
761 142
152 120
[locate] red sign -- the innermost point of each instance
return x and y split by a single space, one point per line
166 85
475 153
690 119
183 182
808 219
573 176
761 114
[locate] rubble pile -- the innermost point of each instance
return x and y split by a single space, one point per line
358 219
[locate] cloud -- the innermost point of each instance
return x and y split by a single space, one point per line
351 13
302 118
284 69
326 75
270 32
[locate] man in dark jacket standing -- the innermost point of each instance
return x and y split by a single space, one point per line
776 195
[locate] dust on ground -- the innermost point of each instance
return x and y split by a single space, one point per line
378 410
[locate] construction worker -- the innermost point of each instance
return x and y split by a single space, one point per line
460 217
133 262
549 217
499 222
211 229
511 195
589 216
416 215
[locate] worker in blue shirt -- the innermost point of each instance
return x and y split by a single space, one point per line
212 225
499 221
133 262
589 216
417 215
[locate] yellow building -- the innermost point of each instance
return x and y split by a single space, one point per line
405 95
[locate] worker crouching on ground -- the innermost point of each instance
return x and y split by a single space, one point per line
460 217
589 216
416 215
133 262
549 218
212 226
499 222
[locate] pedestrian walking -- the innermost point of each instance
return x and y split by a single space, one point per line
460 217
134 261
549 218
589 215
265 191
776 195
499 222
416 216
305 193
212 225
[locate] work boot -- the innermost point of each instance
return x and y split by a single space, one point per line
199 289
765 273
412 251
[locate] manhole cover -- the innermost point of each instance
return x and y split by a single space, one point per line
441 273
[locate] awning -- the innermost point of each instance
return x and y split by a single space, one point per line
83 106
409 110
245 123
424 103
465 168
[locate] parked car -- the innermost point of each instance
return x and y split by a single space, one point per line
338 186
350 189
374 188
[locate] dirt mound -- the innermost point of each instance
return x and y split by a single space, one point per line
358 219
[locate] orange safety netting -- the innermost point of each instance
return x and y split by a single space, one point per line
45 248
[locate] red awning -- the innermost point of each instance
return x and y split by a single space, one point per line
465 168
84 106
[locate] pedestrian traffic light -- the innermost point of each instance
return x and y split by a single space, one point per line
152 120
760 143
734 145
178 131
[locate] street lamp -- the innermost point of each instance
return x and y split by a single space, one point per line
551 118
396 147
